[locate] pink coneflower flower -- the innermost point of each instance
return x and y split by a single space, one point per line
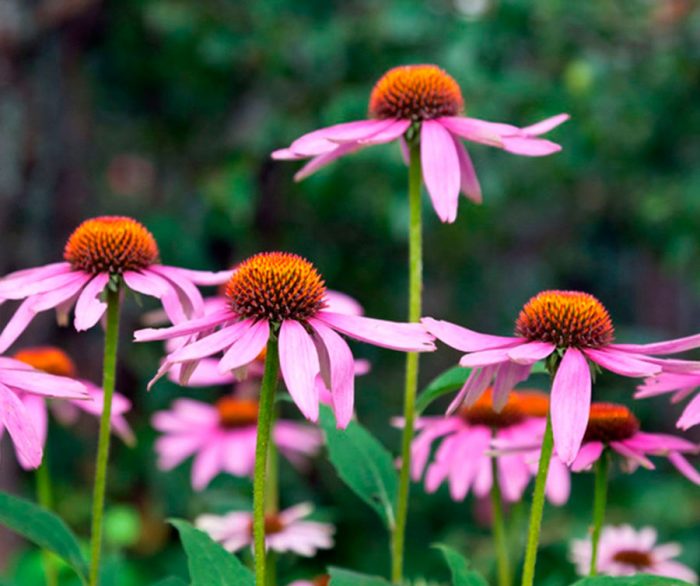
322 580
624 551
573 332
17 380
464 458
285 532
681 385
222 438
615 427
99 251
282 294
55 361
422 102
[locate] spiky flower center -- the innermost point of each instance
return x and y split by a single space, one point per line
518 407
273 524
639 560
48 359
276 286
567 319
236 413
415 92
609 422
111 244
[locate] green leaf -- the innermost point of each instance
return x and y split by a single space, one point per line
209 563
447 382
341 577
363 464
461 574
638 580
43 528
171 581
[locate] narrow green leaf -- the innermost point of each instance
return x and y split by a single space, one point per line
449 381
43 528
341 577
638 580
459 567
209 563
363 464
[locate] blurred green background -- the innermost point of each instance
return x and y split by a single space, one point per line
167 110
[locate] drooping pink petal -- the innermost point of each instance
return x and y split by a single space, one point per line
315 143
570 404
22 317
33 275
530 147
420 447
684 467
172 450
661 348
326 159
37 412
588 454
474 130
41 383
392 132
338 302
189 295
558 487
152 284
407 337
247 347
691 414
299 364
531 352
467 340
89 308
508 375
660 443
203 278
14 417
341 368
207 464
440 166
635 456
485 358
621 362
188 328
468 181
473 388
211 343
546 125
11 290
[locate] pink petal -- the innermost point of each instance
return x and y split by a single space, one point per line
469 183
211 343
684 467
299 364
475 130
33 275
691 414
660 443
246 348
199 277
545 125
467 340
41 383
189 296
18 323
15 418
632 454
325 159
89 309
485 358
342 371
667 347
285 155
207 464
530 147
193 326
621 362
392 132
531 352
338 302
473 388
152 284
38 415
406 337
10 290
570 404
588 454
558 486
315 142
440 169
508 375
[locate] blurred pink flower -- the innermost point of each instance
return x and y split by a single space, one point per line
624 551
97 251
282 294
423 101
681 385
575 330
464 458
285 532
19 380
222 438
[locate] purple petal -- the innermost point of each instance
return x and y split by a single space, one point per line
89 309
485 358
632 454
392 132
684 467
34 275
16 420
570 404
507 376
667 347
545 125
476 130
246 348
211 344
325 159
530 147
440 169
207 464
11 290
18 323
189 296
621 363
299 364
588 454
691 414
318 142
187 328
41 383
467 340
469 183
473 388
531 352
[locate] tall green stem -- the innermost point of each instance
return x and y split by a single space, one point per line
265 417
537 508
109 368
600 497
45 497
415 290
500 539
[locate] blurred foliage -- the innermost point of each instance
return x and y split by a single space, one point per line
179 103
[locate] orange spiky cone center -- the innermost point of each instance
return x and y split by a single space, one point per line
640 560
111 244
415 92
566 319
236 413
276 286
323 580
273 524
519 407
48 359
609 422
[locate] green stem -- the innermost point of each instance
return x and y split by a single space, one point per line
109 368
265 417
600 497
45 497
500 539
272 497
537 508
415 290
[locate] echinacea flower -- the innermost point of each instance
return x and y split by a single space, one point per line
681 385
615 427
624 551
424 103
284 532
322 580
99 251
55 361
573 332
282 294
464 457
17 380
222 438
